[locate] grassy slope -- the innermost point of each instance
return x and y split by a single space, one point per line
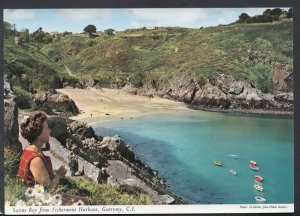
98 194
165 53
29 68
162 54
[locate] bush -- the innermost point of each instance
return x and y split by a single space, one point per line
131 190
261 75
23 98
11 161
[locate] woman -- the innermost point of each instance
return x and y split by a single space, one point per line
35 167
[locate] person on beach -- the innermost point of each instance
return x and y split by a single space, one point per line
35 167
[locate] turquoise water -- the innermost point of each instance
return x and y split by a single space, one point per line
182 146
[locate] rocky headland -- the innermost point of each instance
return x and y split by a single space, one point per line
226 94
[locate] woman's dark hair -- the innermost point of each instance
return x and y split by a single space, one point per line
32 127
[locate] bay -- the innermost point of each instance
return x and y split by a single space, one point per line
183 145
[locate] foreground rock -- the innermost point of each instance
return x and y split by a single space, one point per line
11 127
121 173
80 138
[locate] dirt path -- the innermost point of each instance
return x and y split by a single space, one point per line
69 72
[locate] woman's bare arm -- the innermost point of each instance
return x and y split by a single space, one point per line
40 174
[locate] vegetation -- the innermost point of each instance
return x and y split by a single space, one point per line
153 57
109 32
90 29
28 68
98 194
267 16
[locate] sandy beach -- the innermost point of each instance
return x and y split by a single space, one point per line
111 104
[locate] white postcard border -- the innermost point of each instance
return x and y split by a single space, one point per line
151 209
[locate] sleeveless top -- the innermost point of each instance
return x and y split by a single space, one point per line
24 172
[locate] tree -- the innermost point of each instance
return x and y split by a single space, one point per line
39 35
267 12
90 29
8 29
24 33
109 32
243 17
276 12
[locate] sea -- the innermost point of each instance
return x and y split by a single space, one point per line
184 145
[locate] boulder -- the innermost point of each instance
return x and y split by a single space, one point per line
81 129
236 88
53 102
116 145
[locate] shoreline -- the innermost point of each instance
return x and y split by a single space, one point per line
105 105
254 113
112 104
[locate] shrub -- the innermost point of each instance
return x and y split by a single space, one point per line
11 161
261 75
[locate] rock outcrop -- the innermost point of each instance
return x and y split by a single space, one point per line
115 145
11 127
80 139
88 169
53 102
93 83
130 89
225 93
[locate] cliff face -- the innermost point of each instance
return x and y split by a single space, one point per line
225 93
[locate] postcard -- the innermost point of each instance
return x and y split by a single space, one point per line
148 110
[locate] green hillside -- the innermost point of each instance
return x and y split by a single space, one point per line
28 68
160 55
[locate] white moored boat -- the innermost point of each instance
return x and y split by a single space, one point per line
258 187
233 172
260 199
255 168
233 156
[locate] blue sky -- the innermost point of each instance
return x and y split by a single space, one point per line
74 20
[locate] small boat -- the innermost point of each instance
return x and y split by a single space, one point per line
233 156
255 168
259 178
217 163
252 163
258 187
260 199
233 172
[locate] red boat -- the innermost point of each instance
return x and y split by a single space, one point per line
252 163
259 178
